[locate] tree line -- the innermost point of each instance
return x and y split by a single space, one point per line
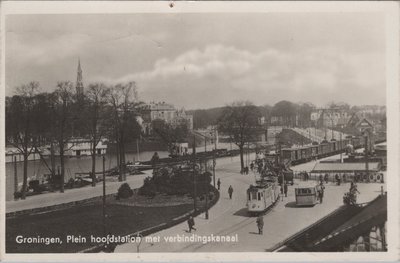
285 110
35 119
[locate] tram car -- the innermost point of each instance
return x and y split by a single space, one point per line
306 196
262 196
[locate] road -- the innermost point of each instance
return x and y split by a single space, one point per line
72 195
229 217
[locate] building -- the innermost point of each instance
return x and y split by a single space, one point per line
350 171
82 147
366 110
166 112
287 121
329 118
13 153
79 80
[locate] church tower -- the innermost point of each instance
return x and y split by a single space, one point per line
79 83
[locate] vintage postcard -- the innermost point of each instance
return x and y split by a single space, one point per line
199 131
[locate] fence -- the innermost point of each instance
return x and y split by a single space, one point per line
344 177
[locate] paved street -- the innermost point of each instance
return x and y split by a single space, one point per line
71 195
229 217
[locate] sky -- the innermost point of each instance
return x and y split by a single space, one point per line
206 60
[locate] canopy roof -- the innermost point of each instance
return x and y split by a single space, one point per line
344 167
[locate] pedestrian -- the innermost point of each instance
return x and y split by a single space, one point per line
109 247
191 224
285 189
260 224
155 158
219 184
321 192
326 178
230 191
252 166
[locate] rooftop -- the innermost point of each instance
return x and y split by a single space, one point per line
345 167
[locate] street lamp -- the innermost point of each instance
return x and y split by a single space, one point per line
194 174
366 153
104 195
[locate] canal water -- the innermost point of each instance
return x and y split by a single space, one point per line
83 164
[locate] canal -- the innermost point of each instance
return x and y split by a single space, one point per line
83 164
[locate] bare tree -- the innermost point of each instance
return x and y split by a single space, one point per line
64 100
240 121
96 102
123 99
20 125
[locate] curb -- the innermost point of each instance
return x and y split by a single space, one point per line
53 208
157 228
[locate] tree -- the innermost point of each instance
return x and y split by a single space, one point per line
20 124
63 105
240 122
304 111
95 118
170 134
124 101
286 110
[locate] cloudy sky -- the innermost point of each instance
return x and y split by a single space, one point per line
206 60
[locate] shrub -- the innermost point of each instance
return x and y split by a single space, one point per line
17 195
124 191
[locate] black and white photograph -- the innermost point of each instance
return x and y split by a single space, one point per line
200 127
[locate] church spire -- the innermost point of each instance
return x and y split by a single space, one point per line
79 83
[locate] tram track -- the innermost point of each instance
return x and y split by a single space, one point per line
232 229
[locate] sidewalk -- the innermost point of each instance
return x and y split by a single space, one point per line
229 217
72 195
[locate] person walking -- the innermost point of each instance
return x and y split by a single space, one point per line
191 224
260 224
154 159
326 178
219 184
321 192
230 191
285 189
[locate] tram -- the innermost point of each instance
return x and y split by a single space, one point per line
307 196
262 195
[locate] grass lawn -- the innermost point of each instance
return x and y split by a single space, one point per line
84 220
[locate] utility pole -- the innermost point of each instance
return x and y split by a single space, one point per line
206 172
205 145
137 150
15 177
366 154
341 148
104 195
214 158
194 174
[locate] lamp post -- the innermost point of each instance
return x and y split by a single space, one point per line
104 195
214 158
194 174
341 148
206 173
15 178
366 154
